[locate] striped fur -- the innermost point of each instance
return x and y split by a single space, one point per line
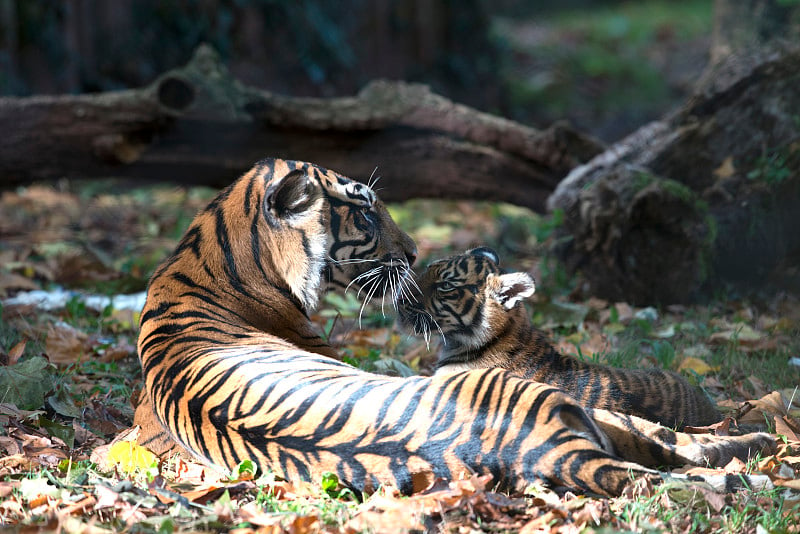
233 369
480 314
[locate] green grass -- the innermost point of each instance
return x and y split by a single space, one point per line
11 335
521 238
637 22
594 64
676 507
333 505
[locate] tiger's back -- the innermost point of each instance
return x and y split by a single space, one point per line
228 356
479 312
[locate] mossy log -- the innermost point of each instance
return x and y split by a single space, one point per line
199 125
706 199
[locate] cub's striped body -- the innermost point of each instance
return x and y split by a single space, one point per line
479 312
233 369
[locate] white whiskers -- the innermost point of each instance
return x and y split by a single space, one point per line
393 281
373 179
426 320
397 281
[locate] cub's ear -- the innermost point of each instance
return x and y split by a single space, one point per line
291 195
486 252
508 289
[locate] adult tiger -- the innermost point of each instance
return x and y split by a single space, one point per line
221 337
479 312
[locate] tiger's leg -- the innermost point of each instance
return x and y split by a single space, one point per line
651 444
564 445
152 434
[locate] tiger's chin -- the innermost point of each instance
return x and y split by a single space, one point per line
388 281
412 317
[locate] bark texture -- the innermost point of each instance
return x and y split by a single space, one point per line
706 197
199 125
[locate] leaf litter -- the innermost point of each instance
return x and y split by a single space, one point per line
67 375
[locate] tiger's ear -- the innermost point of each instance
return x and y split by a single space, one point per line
291 195
508 289
486 252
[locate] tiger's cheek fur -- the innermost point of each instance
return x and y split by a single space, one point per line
301 271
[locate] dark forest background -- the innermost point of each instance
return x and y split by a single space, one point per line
607 66
696 101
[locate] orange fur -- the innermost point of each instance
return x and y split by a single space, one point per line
234 369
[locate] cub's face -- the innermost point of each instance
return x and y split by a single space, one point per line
464 298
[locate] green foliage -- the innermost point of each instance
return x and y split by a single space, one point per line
595 64
246 470
63 432
771 169
334 504
330 484
664 353
365 363
613 316
76 313
350 305
76 472
768 365
680 507
26 383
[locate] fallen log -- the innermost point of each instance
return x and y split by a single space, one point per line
702 200
198 125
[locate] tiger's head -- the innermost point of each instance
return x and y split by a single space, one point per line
296 229
466 298
346 232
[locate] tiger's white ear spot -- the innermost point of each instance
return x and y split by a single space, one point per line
486 252
508 289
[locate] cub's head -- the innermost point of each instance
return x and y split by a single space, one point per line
466 298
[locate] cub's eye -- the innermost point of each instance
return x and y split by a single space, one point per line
444 287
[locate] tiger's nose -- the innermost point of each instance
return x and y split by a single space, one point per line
411 256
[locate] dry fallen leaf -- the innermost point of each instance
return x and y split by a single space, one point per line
384 511
15 352
742 334
726 168
716 501
787 427
735 466
253 514
697 365
788 483
13 281
66 345
770 404
721 428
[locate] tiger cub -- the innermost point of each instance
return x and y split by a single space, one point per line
479 312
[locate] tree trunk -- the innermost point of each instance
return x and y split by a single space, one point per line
746 26
705 198
198 125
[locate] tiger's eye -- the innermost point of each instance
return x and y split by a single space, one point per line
444 287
